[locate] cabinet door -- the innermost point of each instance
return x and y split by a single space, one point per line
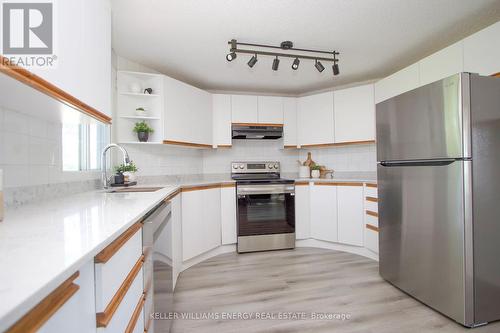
302 212
176 220
193 221
324 212
354 114
221 120
482 51
398 83
290 121
315 119
350 214
442 64
228 215
244 109
211 218
270 110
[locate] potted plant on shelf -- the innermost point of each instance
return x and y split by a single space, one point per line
141 112
142 129
128 171
315 171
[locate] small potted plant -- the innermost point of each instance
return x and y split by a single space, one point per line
315 171
142 129
141 112
128 171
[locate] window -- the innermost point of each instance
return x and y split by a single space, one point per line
82 145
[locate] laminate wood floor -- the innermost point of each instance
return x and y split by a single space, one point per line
303 280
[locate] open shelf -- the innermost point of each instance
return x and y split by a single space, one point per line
138 94
141 117
141 143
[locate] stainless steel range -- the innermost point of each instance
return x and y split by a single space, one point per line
265 207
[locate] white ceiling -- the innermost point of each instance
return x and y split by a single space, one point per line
187 39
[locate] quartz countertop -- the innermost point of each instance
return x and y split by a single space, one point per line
362 177
43 243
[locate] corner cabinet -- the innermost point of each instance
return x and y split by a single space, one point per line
324 223
290 139
350 213
315 119
221 109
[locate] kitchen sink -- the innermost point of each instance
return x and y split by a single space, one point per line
135 189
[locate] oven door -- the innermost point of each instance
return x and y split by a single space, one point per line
266 209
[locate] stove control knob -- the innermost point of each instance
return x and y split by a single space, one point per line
241 166
276 166
235 166
269 166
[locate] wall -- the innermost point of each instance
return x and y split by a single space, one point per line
350 158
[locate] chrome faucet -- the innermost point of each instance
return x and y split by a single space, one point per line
126 160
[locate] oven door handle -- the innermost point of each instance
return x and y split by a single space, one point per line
265 189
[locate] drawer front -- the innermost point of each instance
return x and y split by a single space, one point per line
371 220
110 275
371 240
371 192
125 310
371 206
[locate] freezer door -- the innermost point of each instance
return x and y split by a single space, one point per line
421 239
425 123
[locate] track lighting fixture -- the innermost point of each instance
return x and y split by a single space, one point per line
276 63
231 56
319 66
252 61
286 46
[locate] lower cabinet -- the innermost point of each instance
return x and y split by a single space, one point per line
201 216
324 224
350 214
228 214
302 211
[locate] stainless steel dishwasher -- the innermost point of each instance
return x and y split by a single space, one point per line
158 287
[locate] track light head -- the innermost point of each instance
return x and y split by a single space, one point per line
252 61
319 66
335 68
276 63
231 56
295 64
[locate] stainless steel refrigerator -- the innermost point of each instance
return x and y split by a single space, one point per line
438 153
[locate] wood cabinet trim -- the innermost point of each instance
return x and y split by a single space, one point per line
200 187
44 310
372 227
337 144
257 124
135 314
103 318
496 74
371 213
371 185
224 185
187 144
301 183
224 146
106 254
338 184
371 199
172 195
290 147
24 76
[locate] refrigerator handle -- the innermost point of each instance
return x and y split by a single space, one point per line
443 162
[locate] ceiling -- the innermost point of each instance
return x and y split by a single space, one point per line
187 39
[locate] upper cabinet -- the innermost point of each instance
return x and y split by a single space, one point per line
482 51
221 120
244 109
290 122
270 110
188 114
354 114
315 119
447 62
398 83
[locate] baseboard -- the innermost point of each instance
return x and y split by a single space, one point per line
362 251
207 255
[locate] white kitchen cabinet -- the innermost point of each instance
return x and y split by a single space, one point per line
201 221
221 109
302 211
324 212
482 51
290 122
442 64
398 83
244 109
77 314
176 220
354 114
228 214
270 110
371 240
188 113
350 204
315 119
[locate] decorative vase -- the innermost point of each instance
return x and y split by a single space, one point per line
130 176
141 113
315 173
135 88
143 136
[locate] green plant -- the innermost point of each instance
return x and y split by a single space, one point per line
142 127
141 109
316 167
126 168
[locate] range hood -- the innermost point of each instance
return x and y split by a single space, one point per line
256 132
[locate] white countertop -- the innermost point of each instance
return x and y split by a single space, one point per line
42 244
